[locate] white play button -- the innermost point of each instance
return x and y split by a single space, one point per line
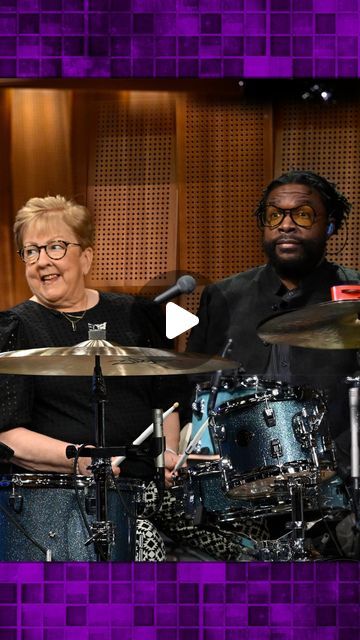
178 320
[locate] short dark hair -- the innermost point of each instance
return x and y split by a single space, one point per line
336 204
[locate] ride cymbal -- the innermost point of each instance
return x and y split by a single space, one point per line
327 325
115 360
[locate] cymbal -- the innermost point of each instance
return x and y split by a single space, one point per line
327 325
115 360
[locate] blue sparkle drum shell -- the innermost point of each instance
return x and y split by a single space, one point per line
204 480
328 498
229 388
46 507
263 438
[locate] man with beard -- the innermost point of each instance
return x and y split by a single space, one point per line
297 214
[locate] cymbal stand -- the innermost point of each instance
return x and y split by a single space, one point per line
297 524
354 405
103 530
214 390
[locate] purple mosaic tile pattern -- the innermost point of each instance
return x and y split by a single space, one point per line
200 39
179 38
201 601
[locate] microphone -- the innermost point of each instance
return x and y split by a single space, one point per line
159 448
215 382
184 284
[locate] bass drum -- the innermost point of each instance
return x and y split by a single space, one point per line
274 432
41 517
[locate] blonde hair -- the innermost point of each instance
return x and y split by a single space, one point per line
75 215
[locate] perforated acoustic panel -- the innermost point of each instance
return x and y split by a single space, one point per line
325 139
226 163
132 190
225 160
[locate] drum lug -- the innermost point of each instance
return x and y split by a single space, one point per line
276 448
269 416
219 431
198 407
225 464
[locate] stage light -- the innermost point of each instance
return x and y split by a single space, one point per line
317 93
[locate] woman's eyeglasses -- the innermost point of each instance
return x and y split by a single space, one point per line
55 250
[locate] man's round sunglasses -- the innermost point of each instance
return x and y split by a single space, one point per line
272 216
55 250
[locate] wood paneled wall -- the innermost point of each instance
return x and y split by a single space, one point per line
172 178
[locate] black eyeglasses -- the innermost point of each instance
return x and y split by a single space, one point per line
303 216
55 250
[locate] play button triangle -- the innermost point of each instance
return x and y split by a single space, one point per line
178 320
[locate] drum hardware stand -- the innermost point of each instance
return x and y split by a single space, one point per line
305 426
215 382
354 404
297 524
291 546
214 390
158 453
102 530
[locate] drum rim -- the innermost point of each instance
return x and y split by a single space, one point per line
253 382
54 480
286 393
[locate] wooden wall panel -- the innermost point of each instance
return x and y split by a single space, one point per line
226 161
41 143
7 297
41 159
132 190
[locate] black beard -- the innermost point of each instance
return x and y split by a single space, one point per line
298 267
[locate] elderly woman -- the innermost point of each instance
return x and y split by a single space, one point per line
44 509
41 415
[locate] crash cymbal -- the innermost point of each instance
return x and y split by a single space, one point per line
114 360
328 325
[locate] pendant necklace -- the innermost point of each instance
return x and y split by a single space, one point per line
73 319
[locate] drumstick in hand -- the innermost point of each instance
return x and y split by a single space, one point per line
191 446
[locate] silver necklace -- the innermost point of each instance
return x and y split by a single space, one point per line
73 318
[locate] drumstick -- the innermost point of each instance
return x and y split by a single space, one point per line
117 462
191 446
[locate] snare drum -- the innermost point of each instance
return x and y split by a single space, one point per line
41 512
275 431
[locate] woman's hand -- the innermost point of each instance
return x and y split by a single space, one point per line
171 459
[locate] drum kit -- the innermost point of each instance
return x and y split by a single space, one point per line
275 455
260 448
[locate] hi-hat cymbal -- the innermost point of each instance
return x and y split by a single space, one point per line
328 325
115 360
